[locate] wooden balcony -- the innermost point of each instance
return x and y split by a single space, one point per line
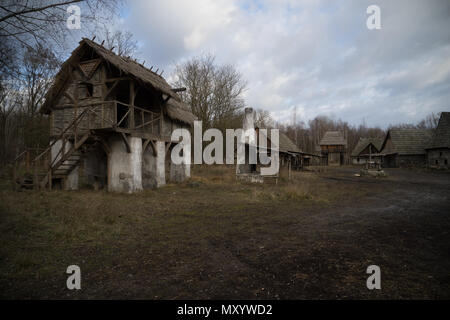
112 115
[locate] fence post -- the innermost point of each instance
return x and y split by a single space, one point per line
14 177
35 177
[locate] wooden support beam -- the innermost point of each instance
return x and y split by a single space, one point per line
168 146
117 79
110 90
125 140
105 145
131 123
165 100
151 143
154 147
178 89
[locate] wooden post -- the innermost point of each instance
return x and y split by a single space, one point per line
14 183
28 160
161 121
50 178
131 124
289 168
35 177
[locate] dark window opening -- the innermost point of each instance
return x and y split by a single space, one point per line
440 154
89 89
437 161
445 161
85 90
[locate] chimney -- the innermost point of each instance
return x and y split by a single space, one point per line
249 119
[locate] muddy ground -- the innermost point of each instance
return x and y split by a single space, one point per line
217 239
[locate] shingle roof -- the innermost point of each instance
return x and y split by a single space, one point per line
287 144
441 137
364 142
333 138
407 141
175 108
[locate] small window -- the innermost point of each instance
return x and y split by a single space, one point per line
440 154
446 161
436 161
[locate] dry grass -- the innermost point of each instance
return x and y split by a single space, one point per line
210 237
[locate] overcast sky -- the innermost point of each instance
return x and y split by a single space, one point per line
315 55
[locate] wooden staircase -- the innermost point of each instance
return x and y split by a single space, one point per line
57 166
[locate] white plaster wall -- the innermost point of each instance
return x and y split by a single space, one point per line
160 163
125 169
149 168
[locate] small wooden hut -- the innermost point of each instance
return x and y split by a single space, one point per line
438 152
405 148
366 150
333 147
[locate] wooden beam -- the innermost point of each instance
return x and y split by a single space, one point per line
117 79
151 143
131 123
110 90
178 89
154 147
105 145
168 146
166 99
125 140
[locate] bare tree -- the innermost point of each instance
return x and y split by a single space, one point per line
123 42
263 119
38 21
215 93
431 121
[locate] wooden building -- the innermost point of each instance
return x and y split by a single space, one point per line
405 148
290 156
333 147
438 152
366 150
113 117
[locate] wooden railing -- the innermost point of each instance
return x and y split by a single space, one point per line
116 114
136 118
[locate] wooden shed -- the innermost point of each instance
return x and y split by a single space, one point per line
333 147
438 152
405 148
366 150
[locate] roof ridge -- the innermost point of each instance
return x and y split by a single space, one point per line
126 59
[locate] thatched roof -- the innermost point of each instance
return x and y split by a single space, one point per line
333 138
363 143
175 109
441 137
407 141
285 144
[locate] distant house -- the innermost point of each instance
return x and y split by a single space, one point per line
365 149
438 153
290 156
405 148
333 147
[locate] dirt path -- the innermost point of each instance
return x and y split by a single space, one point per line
220 241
